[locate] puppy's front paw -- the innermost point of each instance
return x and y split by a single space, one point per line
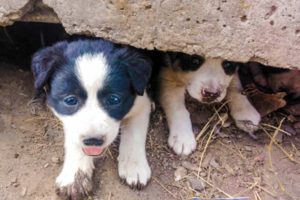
182 143
247 119
134 170
74 188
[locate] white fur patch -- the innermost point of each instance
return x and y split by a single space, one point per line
74 161
133 165
181 137
92 70
242 111
210 76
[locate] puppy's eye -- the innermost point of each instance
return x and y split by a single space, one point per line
196 61
113 99
71 100
226 64
193 62
229 67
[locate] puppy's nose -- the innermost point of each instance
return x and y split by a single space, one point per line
210 95
93 141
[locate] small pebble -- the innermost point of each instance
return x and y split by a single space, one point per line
189 166
196 184
279 137
55 160
248 148
14 180
46 165
229 169
15 184
24 191
203 174
207 160
214 163
180 173
16 155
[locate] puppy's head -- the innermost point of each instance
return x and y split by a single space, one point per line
207 79
91 87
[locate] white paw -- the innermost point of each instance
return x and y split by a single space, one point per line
183 143
247 119
74 185
134 170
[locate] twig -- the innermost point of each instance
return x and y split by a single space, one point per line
265 190
270 155
257 195
166 189
230 149
210 184
109 196
240 153
290 157
205 148
110 154
247 189
209 121
276 128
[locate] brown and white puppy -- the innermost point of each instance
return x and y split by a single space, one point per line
207 80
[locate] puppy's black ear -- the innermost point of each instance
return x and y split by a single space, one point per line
44 63
139 68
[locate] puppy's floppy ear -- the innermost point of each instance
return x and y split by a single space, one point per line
139 68
44 63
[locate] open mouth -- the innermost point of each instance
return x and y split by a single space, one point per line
93 150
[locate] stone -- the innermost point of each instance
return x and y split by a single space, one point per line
264 31
213 162
24 191
55 160
189 166
196 184
180 173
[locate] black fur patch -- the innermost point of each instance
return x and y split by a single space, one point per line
128 74
230 67
184 61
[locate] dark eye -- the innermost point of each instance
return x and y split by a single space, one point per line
195 62
229 67
227 64
113 99
71 100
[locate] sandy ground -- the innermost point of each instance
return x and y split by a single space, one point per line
233 164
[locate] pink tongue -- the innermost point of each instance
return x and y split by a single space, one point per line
92 150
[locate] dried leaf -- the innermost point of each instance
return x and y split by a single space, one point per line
266 103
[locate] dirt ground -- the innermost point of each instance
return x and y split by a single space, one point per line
231 162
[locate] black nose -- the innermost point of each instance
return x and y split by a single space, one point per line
93 141
210 95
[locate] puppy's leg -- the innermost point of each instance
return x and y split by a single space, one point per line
181 137
133 165
75 179
244 114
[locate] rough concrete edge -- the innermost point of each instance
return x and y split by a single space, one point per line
27 10
13 16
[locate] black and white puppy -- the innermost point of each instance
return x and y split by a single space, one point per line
95 88
208 81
